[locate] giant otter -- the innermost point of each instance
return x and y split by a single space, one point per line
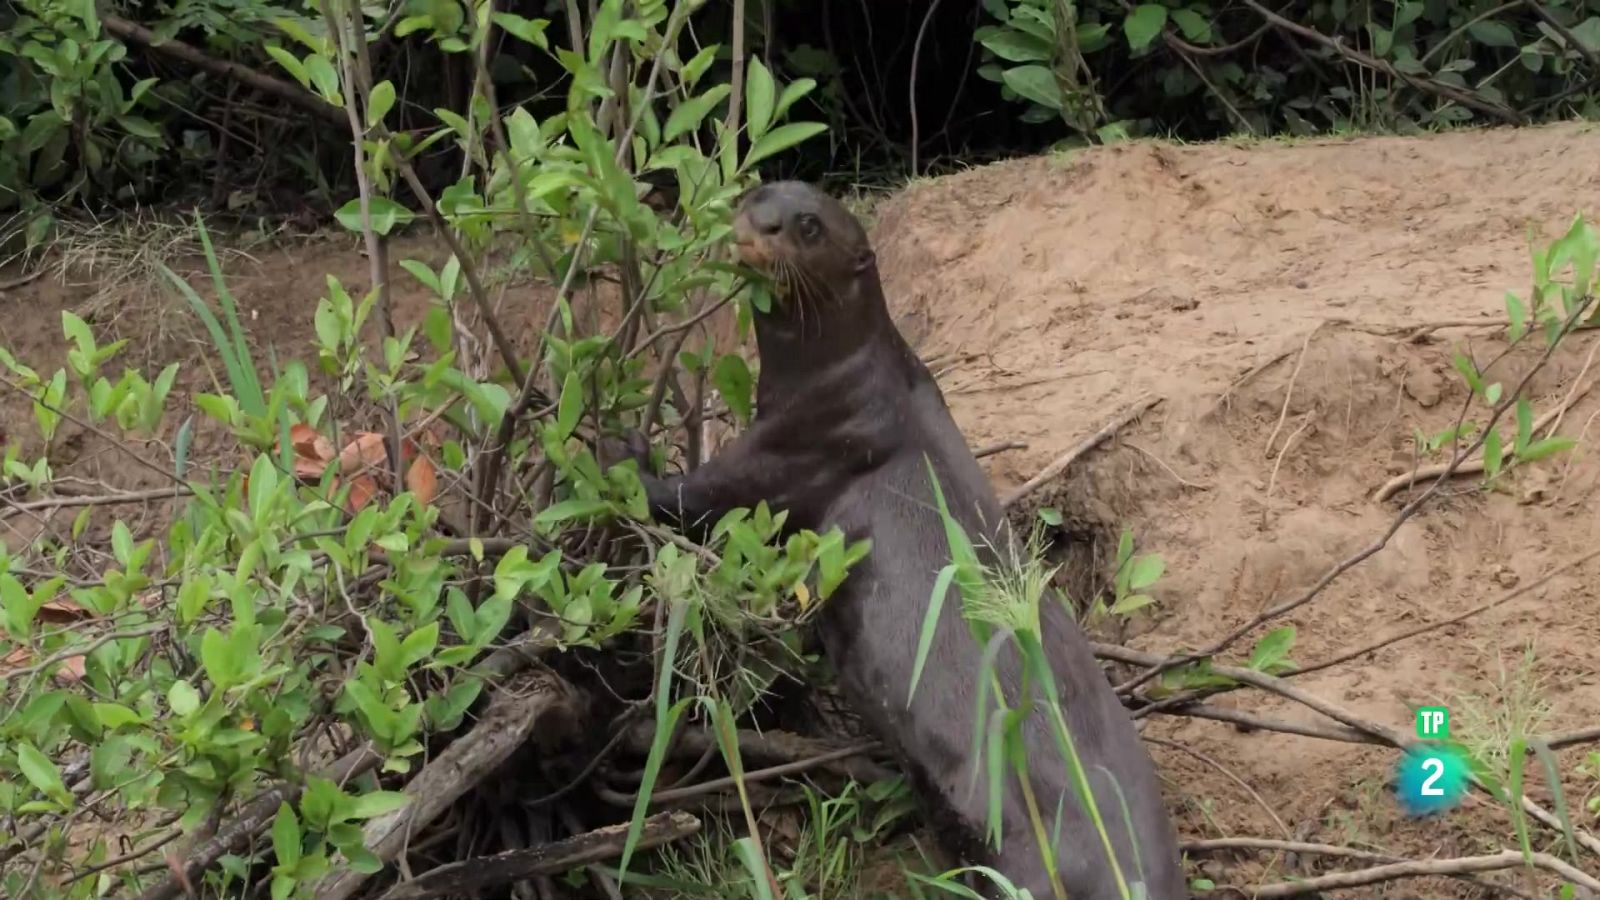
847 421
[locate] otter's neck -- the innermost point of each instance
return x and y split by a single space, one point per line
824 332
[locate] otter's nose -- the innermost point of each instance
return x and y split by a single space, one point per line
763 216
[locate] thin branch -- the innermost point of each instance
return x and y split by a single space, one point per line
1089 443
283 90
470 876
1465 98
1467 865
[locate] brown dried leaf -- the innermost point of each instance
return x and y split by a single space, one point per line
362 489
363 453
422 479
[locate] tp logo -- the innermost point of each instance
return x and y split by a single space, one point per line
1432 777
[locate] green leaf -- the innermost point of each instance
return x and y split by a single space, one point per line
1382 40
1518 314
690 113
42 773
379 102
419 644
182 698
291 64
760 96
1195 27
377 803
930 622
1147 570
780 139
1492 34
530 30
732 378
570 407
1143 24
324 78
1548 447
1012 45
1493 456
140 127
1491 394
1035 83
756 867
216 659
566 510
697 64
263 487
1131 603
1273 649
1524 411
286 837
386 215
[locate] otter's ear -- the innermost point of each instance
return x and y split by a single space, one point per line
865 260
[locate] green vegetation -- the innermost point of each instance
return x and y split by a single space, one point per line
361 569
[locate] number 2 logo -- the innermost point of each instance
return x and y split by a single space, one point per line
1436 766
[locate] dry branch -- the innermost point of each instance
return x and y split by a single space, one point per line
1473 466
472 875
764 748
1084 446
519 706
1506 859
1454 94
134 33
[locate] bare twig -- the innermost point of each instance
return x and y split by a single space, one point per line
470 876
1275 846
113 499
1465 98
999 447
266 84
1288 395
1089 443
1252 722
675 795
22 280
1474 466
1505 859
916 59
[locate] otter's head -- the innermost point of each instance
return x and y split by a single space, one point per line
812 248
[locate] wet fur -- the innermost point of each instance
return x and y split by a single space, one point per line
847 420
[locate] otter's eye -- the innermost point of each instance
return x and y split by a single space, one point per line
810 226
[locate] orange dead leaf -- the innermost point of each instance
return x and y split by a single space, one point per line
422 479
71 671
61 612
362 489
15 659
363 453
309 443
312 452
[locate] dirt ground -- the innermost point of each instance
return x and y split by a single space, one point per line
1295 307
1064 290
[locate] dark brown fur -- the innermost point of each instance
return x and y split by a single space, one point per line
847 420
